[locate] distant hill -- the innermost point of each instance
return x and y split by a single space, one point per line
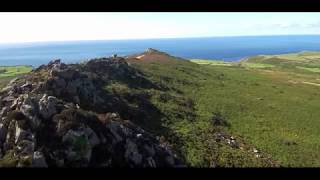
152 55
308 61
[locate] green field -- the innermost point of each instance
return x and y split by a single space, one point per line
317 70
224 63
11 71
211 62
295 62
305 56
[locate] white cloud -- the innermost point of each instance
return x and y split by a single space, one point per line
24 27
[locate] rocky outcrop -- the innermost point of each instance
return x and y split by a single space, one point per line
59 116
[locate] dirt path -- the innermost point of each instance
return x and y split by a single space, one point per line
310 83
304 82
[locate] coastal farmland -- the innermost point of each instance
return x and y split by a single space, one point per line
9 72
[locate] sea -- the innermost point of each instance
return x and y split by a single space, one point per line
210 48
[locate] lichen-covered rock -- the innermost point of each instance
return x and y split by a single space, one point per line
60 116
27 86
47 106
30 109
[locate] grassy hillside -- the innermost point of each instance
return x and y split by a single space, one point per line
191 109
270 104
273 102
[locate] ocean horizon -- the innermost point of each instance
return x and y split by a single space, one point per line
231 48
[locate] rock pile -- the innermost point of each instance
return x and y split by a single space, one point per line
56 116
237 143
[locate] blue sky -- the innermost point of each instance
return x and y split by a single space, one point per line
30 27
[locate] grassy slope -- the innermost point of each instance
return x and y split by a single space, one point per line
196 134
275 107
269 112
271 104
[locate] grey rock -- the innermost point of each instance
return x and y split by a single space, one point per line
27 86
97 99
151 162
125 131
26 147
35 122
61 83
71 137
114 115
114 128
15 89
47 106
28 106
9 98
22 135
69 85
71 155
76 99
67 74
170 160
150 150
38 160
92 137
102 138
70 106
13 81
71 88
1 154
4 111
9 86
24 161
54 62
60 162
132 152
17 102
88 154
6 88
3 133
